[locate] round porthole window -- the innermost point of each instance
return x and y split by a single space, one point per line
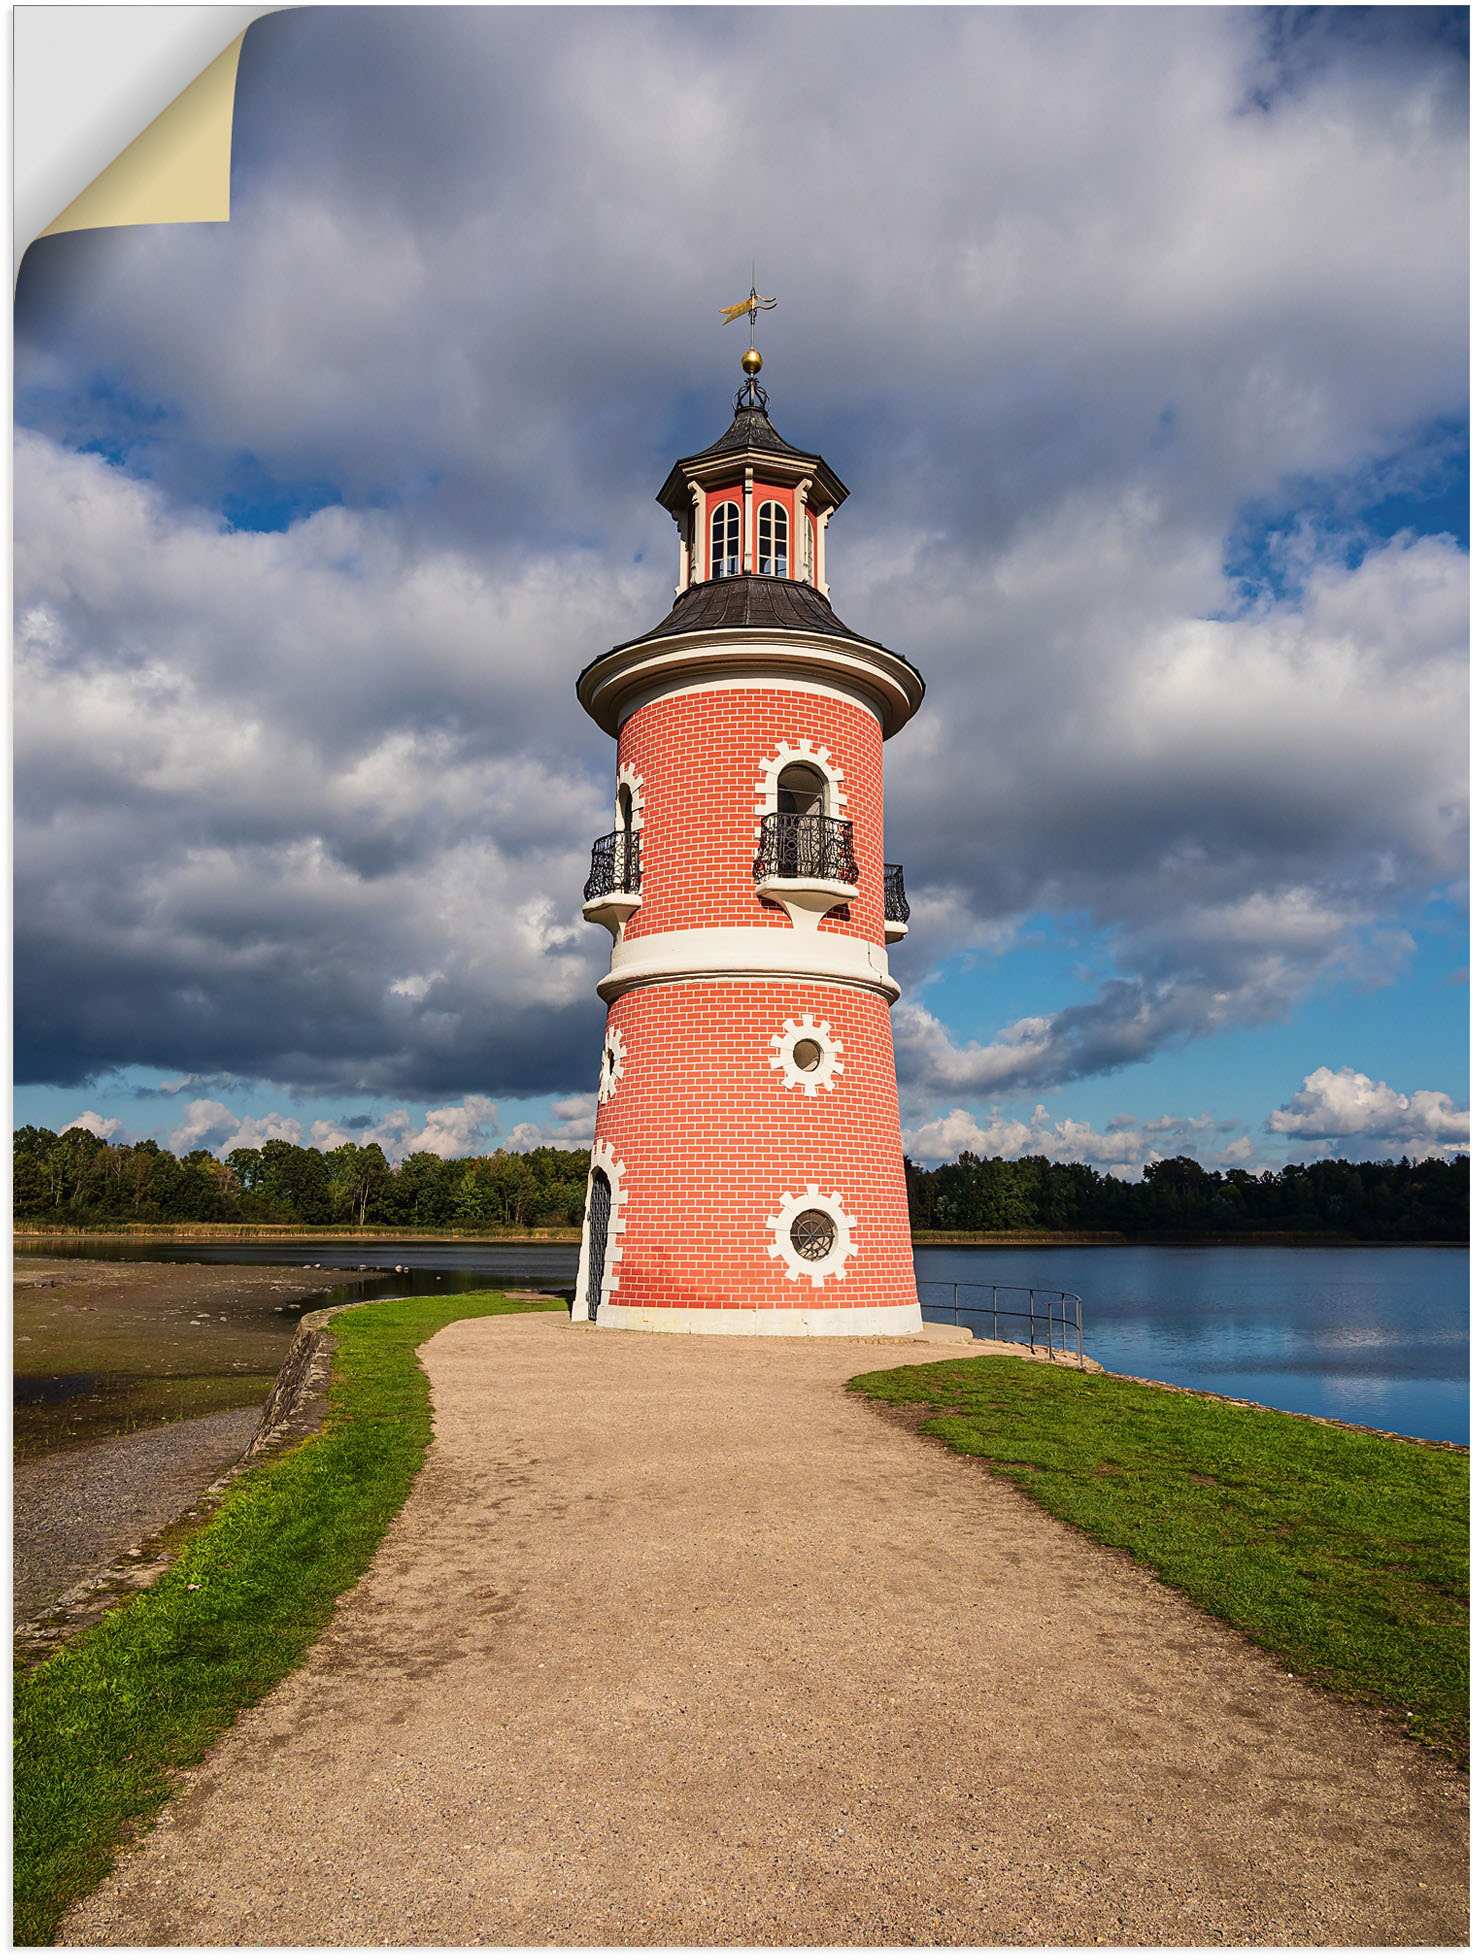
807 1052
813 1233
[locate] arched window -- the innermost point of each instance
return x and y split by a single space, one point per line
725 541
801 791
625 842
771 540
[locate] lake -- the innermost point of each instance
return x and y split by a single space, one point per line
1374 1334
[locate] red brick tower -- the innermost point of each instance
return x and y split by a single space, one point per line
747 1175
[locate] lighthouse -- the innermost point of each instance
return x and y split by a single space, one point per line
747 1174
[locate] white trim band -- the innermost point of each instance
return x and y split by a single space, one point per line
611 686
856 1322
747 953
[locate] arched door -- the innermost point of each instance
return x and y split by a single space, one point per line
625 843
801 797
600 1204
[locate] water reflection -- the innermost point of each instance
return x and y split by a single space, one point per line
1375 1334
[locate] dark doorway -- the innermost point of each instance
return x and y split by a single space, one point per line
600 1204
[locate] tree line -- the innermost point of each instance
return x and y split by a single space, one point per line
1377 1201
78 1179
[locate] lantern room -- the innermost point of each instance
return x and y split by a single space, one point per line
752 506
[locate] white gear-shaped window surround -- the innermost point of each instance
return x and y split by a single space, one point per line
771 767
807 1053
606 1160
802 1225
615 1053
633 782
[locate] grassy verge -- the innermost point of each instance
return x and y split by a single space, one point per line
99 1728
1344 1554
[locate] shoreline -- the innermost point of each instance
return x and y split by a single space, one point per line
202 1234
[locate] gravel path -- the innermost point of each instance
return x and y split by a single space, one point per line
676 1644
74 1513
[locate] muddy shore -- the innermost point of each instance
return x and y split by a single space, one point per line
109 1349
135 1386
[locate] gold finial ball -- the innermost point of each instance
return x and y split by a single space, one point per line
751 362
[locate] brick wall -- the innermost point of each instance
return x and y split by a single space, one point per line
700 758
709 1138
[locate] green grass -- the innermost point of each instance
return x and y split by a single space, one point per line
100 1726
1344 1554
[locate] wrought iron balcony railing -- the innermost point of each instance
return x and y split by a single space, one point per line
896 905
615 865
806 847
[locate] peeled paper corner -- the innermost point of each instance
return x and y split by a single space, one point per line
177 171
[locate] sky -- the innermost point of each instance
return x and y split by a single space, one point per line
1139 336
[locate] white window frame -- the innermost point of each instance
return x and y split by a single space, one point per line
605 1159
794 1076
779 1246
768 526
633 782
770 768
730 554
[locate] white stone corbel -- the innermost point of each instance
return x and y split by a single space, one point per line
800 567
697 529
683 526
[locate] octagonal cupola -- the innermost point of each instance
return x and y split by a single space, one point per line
752 506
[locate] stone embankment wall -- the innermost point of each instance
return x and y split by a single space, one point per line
297 1403
294 1410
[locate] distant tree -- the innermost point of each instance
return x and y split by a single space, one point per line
77 1177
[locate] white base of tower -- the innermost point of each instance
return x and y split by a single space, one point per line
852 1321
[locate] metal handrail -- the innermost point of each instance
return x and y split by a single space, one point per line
896 905
794 846
1062 1313
615 865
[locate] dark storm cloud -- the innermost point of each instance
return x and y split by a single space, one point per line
1065 293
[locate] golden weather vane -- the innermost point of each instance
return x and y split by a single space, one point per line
751 306
751 360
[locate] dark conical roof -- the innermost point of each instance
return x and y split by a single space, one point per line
714 620
751 429
783 603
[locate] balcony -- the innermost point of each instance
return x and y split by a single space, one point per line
807 865
611 895
896 905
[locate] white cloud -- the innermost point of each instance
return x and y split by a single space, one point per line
457 1130
464 1129
1123 1147
223 859
314 805
573 1130
211 1125
109 1128
1335 1104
